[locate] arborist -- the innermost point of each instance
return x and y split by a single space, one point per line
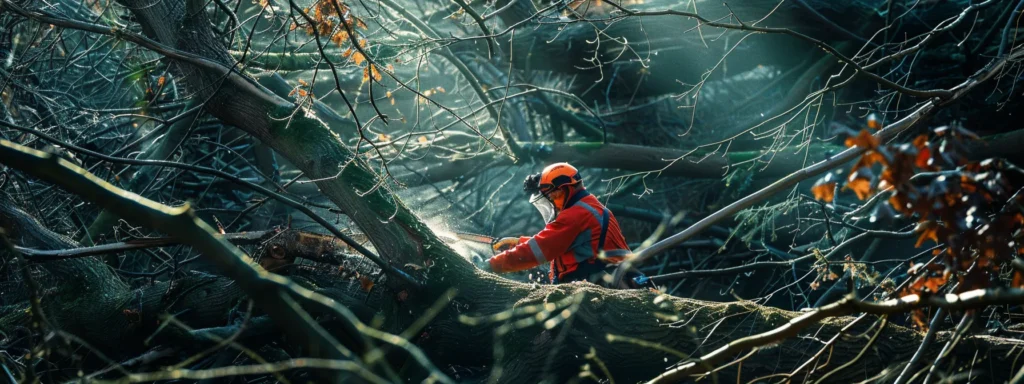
581 241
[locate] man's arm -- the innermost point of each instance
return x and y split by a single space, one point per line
550 243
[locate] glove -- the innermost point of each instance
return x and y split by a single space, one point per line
483 264
504 244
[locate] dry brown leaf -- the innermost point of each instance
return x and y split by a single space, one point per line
864 139
824 191
859 185
365 283
873 122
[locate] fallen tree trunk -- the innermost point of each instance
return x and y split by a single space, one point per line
551 329
549 332
89 301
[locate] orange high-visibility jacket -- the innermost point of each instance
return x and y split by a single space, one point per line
571 239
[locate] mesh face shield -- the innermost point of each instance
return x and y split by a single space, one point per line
547 210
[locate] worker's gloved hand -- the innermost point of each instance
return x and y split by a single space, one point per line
482 263
504 244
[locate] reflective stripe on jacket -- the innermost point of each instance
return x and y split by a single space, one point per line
572 238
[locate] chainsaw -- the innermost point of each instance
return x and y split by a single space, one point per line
483 239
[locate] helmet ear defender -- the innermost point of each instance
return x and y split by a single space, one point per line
532 184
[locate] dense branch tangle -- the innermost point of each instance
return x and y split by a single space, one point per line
549 79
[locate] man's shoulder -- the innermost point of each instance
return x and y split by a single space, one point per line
573 214
586 207
592 201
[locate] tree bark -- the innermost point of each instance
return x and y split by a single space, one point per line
530 354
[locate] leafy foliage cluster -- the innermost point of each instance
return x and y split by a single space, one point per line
971 210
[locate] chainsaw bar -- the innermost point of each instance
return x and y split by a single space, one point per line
474 237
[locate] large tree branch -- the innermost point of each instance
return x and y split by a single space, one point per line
295 133
975 299
276 295
304 140
24 230
37 255
391 270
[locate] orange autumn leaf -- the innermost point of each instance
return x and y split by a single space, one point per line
160 81
900 203
340 38
933 283
824 191
968 185
383 137
358 58
859 185
873 122
864 139
422 139
870 158
989 253
921 141
1018 279
924 157
365 283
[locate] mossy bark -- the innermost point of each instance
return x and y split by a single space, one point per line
530 354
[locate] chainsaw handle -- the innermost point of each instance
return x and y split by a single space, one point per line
504 244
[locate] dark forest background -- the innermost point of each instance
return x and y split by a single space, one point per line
286 191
